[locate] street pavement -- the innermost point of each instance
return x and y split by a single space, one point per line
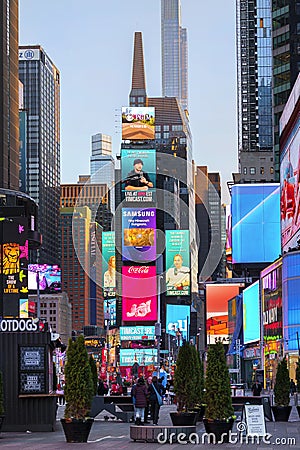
114 434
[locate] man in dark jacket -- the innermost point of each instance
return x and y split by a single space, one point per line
154 387
139 394
256 389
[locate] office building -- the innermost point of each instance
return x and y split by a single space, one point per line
9 96
102 163
254 91
174 53
41 84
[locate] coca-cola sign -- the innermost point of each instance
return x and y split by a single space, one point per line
138 269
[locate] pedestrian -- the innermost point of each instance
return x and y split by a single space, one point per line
148 409
140 394
256 388
292 387
101 389
156 392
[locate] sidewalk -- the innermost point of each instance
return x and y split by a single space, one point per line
115 435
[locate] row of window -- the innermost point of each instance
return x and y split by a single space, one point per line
252 170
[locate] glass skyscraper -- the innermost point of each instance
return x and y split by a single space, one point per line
174 53
41 81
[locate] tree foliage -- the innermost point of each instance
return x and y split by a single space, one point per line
188 386
94 373
1 395
282 385
217 385
78 379
298 375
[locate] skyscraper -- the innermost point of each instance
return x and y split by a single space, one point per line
9 95
254 75
174 53
41 81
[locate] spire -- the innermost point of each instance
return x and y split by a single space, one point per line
138 85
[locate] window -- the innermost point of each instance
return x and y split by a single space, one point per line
271 170
262 170
252 171
245 171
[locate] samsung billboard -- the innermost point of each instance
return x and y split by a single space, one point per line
138 240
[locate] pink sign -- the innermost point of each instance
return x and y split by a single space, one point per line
139 301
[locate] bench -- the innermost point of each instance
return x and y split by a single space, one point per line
168 434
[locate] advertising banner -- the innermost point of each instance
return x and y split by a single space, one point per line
48 277
108 264
178 262
139 289
137 333
251 315
138 123
177 321
138 175
138 240
142 356
110 311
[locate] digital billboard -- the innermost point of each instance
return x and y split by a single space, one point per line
217 296
290 191
139 301
178 262
142 356
138 240
48 276
108 263
228 245
178 321
251 315
255 223
138 175
290 300
110 311
138 123
137 333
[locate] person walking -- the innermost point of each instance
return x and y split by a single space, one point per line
139 395
156 392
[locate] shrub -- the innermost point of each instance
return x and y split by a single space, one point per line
282 385
94 373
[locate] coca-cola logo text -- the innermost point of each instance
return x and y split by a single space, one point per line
138 269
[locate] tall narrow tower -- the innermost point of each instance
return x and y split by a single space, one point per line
174 53
9 95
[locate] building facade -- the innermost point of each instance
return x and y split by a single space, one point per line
41 83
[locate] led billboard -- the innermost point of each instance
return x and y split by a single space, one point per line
138 240
251 315
290 191
139 301
110 311
255 223
48 277
142 356
108 263
138 123
178 321
178 262
138 333
138 175
290 300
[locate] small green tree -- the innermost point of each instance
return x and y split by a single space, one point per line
217 385
79 382
1 395
94 373
185 378
199 377
298 375
282 385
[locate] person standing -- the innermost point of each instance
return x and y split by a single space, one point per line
154 389
139 395
256 389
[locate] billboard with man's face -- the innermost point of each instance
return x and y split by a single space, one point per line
177 262
138 175
138 123
138 240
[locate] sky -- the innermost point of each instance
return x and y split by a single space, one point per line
91 43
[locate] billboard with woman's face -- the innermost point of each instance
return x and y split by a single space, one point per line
108 263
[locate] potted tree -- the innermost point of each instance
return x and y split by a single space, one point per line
199 407
78 392
281 409
93 366
187 386
1 401
219 413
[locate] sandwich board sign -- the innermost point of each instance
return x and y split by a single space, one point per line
255 420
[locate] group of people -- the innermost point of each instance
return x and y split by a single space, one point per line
147 398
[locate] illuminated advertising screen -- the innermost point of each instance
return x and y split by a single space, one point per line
49 277
251 315
138 123
217 296
255 223
139 301
228 245
138 333
290 191
290 298
178 262
142 356
138 175
110 311
108 263
178 320
138 240
14 255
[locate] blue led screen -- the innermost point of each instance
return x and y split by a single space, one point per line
251 318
